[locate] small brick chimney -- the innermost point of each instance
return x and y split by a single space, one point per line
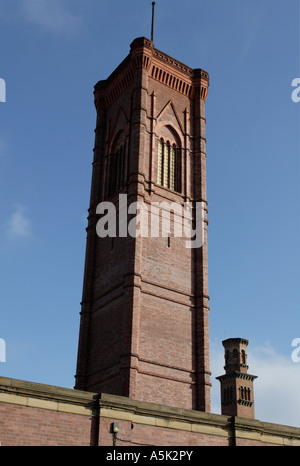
237 397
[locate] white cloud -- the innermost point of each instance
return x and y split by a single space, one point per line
19 224
51 15
277 387
276 390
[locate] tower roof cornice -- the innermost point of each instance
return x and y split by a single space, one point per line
160 66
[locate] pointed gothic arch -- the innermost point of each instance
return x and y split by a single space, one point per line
169 159
116 164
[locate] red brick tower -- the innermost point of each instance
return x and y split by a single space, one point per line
144 330
237 396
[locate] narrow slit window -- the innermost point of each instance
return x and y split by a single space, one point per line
166 165
172 168
160 163
116 171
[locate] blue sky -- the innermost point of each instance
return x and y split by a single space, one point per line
52 54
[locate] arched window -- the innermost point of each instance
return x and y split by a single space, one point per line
245 393
242 396
169 166
235 355
227 357
228 394
243 357
116 170
248 394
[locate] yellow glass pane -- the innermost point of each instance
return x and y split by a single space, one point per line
172 168
166 166
160 163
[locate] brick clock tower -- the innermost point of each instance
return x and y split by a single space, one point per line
144 329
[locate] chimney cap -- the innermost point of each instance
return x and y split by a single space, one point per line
229 341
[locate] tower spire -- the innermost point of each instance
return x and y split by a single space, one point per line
152 24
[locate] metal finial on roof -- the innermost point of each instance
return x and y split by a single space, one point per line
152 26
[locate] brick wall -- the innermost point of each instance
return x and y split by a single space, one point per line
131 434
42 415
25 426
